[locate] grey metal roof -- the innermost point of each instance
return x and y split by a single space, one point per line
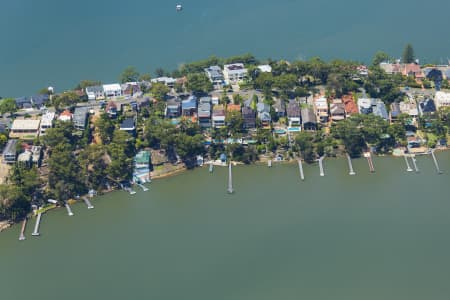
308 116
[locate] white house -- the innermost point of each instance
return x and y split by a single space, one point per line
112 90
442 99
46 122
95 92
234 73
168 81
265 68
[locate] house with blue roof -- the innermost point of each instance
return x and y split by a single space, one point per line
264 114
23 102
189 106
39 101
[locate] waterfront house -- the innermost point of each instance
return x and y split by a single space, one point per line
95 92
141 171
204 112
46 122
111 109
168 81
65 116
233 107
189 107
173 108
215 75
128 125
321 106
131 89
279 107
427 107
112 90
26 129
309 120
365 105
80 117
350 105
265 68
39 101
218 116
10 152
263 110
411 69
234 73
23 102
294 114
442 99
249 116
337 110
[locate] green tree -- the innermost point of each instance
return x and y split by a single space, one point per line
13 203
86 83
93 163
235 122
64 173
408 54
304 142
121 151
130 74
159 91
198 83
8 105
104 127
65 100
380 57
26 179
60 134
145 77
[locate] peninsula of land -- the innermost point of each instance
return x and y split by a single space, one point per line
99 136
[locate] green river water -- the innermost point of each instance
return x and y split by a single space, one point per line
371 236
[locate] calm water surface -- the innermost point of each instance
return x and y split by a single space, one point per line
60 42
372 236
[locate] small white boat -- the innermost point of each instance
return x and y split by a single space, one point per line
179 7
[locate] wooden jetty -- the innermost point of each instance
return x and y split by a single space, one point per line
36 225
143 187
22 230
414 161
369 161
438 170
322 173
230 180
69 210
350 166
408 167
211 167
88 203
300 168
269 163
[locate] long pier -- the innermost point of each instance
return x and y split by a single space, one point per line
438 170
69 211
22 230
88 203
415 164
300 168
408 167
211 167
230 180
269 163
36 225
369 161
350 166
322 173
143 187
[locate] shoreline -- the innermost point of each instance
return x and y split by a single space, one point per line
5 225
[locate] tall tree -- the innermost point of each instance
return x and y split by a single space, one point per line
130 74
8 105
408 54
198 83
380 57
159 91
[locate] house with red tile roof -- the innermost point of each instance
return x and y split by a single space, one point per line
349 105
